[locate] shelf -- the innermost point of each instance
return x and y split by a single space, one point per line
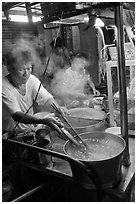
109 66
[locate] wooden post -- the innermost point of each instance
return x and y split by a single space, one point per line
28 10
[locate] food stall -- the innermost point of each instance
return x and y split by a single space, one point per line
55 169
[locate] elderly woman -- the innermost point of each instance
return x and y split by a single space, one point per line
79 74
75 84
19 89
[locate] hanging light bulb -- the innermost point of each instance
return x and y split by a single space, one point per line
99 23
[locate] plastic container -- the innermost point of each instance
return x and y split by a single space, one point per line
114 130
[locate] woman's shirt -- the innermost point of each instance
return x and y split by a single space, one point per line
13 101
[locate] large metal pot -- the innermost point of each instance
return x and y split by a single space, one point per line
86 120
104 160
82 119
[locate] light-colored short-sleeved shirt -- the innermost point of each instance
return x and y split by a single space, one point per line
13 101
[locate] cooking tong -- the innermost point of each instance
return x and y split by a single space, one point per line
64 131
70 137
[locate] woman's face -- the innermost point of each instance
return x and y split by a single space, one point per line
21 73
79 64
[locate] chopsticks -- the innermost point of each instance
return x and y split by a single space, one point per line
68 123
70 137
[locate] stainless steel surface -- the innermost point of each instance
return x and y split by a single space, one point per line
92 122
86 120
107 170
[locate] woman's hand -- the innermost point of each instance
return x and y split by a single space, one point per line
96 93
53 122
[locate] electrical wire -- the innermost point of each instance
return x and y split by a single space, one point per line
13 131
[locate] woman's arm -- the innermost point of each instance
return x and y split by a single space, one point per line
51 121
91 84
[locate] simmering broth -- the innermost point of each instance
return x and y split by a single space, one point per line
99 149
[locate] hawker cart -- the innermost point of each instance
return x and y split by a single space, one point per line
41 174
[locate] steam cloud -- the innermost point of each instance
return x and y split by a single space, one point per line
64 85
34 46
69 85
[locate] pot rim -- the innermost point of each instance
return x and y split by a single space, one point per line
40 140
96 132
93 125
86 108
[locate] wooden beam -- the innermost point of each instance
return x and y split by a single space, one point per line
47 19
34 3
7 6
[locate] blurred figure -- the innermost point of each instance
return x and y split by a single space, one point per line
59 58
74 83
78 70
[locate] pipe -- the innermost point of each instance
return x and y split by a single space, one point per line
29 193
122 80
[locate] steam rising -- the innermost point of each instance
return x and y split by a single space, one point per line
67 84
32 45
70 84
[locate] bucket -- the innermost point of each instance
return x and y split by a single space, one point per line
114 130
41 158
43 133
